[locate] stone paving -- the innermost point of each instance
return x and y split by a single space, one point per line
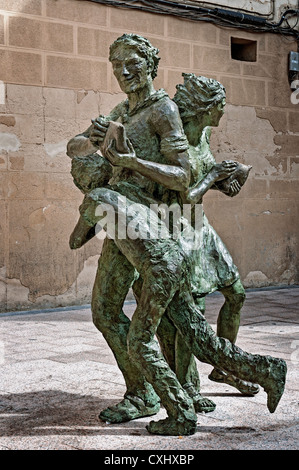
57 373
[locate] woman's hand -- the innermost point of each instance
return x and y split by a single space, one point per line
127 160
219 172
98 130
223 170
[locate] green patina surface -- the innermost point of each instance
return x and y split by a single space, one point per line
168 161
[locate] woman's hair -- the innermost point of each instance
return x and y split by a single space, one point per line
142 46
197 95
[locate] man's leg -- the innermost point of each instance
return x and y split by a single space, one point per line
187 372
228 323
179 358
113 280
157 290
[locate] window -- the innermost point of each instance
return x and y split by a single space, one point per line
243 49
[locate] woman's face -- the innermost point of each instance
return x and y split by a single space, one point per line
216 113
130 69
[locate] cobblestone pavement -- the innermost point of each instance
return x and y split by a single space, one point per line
57 373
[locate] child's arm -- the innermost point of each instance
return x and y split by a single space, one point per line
89 141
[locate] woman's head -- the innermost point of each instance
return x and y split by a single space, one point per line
200 96
140 45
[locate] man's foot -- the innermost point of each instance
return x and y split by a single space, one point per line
172 427
203 404
131 407
200 403
246 388
274 386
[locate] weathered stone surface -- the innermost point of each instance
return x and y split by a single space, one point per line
277 118
8 121
244 91
76 73
40 219
215 59
149 23
77 11
1 29
36 34
293 121
21 67
52 88
191 31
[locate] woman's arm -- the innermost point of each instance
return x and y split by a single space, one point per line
219 172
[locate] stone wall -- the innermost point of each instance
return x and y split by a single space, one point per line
55 77
271 9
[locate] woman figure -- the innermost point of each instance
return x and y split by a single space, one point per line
201 103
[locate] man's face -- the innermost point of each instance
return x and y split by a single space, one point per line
130 69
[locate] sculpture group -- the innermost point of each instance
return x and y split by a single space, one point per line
150 152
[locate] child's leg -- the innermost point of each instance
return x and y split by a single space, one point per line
267 371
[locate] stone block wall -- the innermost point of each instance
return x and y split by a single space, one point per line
55 76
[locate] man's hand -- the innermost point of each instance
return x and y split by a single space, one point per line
126 160
98 130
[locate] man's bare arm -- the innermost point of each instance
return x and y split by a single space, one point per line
176 176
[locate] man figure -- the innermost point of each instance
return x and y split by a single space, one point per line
154 127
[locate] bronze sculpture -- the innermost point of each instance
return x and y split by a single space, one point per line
156 168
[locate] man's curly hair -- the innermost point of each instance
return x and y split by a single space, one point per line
140 44
197 95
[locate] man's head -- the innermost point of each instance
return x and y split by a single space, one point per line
134 60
